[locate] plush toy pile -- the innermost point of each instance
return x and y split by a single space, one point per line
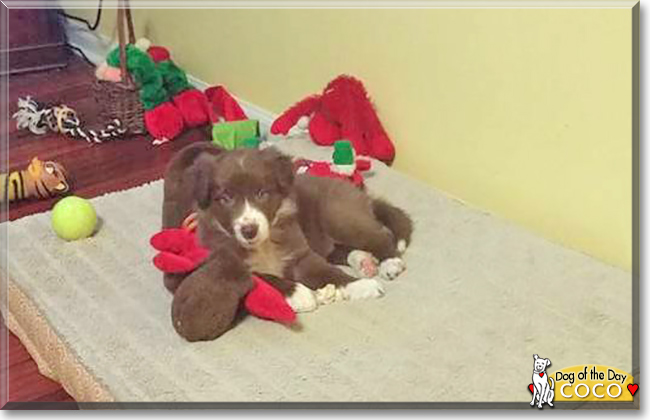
342 111
171 103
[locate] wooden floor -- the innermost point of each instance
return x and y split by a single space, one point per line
95 168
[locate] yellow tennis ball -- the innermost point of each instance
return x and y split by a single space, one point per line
73 218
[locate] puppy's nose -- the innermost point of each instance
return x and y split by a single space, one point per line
249 231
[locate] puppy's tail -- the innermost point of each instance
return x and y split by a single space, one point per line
552 383
396 220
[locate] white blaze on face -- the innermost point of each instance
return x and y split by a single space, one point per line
250 215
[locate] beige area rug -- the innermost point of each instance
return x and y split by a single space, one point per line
479 298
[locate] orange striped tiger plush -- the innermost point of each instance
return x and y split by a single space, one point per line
40 180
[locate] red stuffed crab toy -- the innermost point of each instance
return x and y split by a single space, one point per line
180 252
342 111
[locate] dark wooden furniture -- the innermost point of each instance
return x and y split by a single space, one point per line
37 40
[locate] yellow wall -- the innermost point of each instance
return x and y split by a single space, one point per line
524 113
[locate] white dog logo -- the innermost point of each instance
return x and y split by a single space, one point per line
542 391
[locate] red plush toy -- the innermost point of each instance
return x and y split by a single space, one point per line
329 170
342 111
190 103
224 105
180 252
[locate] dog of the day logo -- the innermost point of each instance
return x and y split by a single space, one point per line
580 383
594 383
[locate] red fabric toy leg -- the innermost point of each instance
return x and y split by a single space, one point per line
179 249
194 107
290 117
222 104
266 302
164 121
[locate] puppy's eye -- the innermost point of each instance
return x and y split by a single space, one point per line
262 194
225 198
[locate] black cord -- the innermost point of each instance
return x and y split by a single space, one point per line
81 53
97 18
92 27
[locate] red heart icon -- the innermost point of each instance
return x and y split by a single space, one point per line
531 387
633 388
541 375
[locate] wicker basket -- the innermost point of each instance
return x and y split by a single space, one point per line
118 100
121 100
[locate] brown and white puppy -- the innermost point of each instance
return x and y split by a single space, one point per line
290 227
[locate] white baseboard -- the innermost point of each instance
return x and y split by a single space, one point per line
97 46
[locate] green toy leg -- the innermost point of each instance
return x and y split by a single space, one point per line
234 134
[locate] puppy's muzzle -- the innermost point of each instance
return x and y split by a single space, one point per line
249 231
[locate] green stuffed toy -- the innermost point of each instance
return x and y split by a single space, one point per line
235 134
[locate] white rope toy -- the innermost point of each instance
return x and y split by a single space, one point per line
29 116
61 119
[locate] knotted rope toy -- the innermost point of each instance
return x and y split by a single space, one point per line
39 119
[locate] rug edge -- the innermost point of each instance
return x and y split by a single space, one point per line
52 355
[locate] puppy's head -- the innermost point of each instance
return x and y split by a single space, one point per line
540 364
244 191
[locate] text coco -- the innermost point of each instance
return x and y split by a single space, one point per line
582 390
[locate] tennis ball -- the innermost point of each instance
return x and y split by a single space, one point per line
73 218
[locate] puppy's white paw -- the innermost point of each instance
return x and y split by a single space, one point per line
363 289
303 299
390 268
401 246
363 263
329 294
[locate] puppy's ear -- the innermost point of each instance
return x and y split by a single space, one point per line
282 167
548 362
201 174
535 356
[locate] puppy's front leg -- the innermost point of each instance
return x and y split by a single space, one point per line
315 272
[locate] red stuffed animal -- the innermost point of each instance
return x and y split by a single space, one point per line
180 252
343 110
329 170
